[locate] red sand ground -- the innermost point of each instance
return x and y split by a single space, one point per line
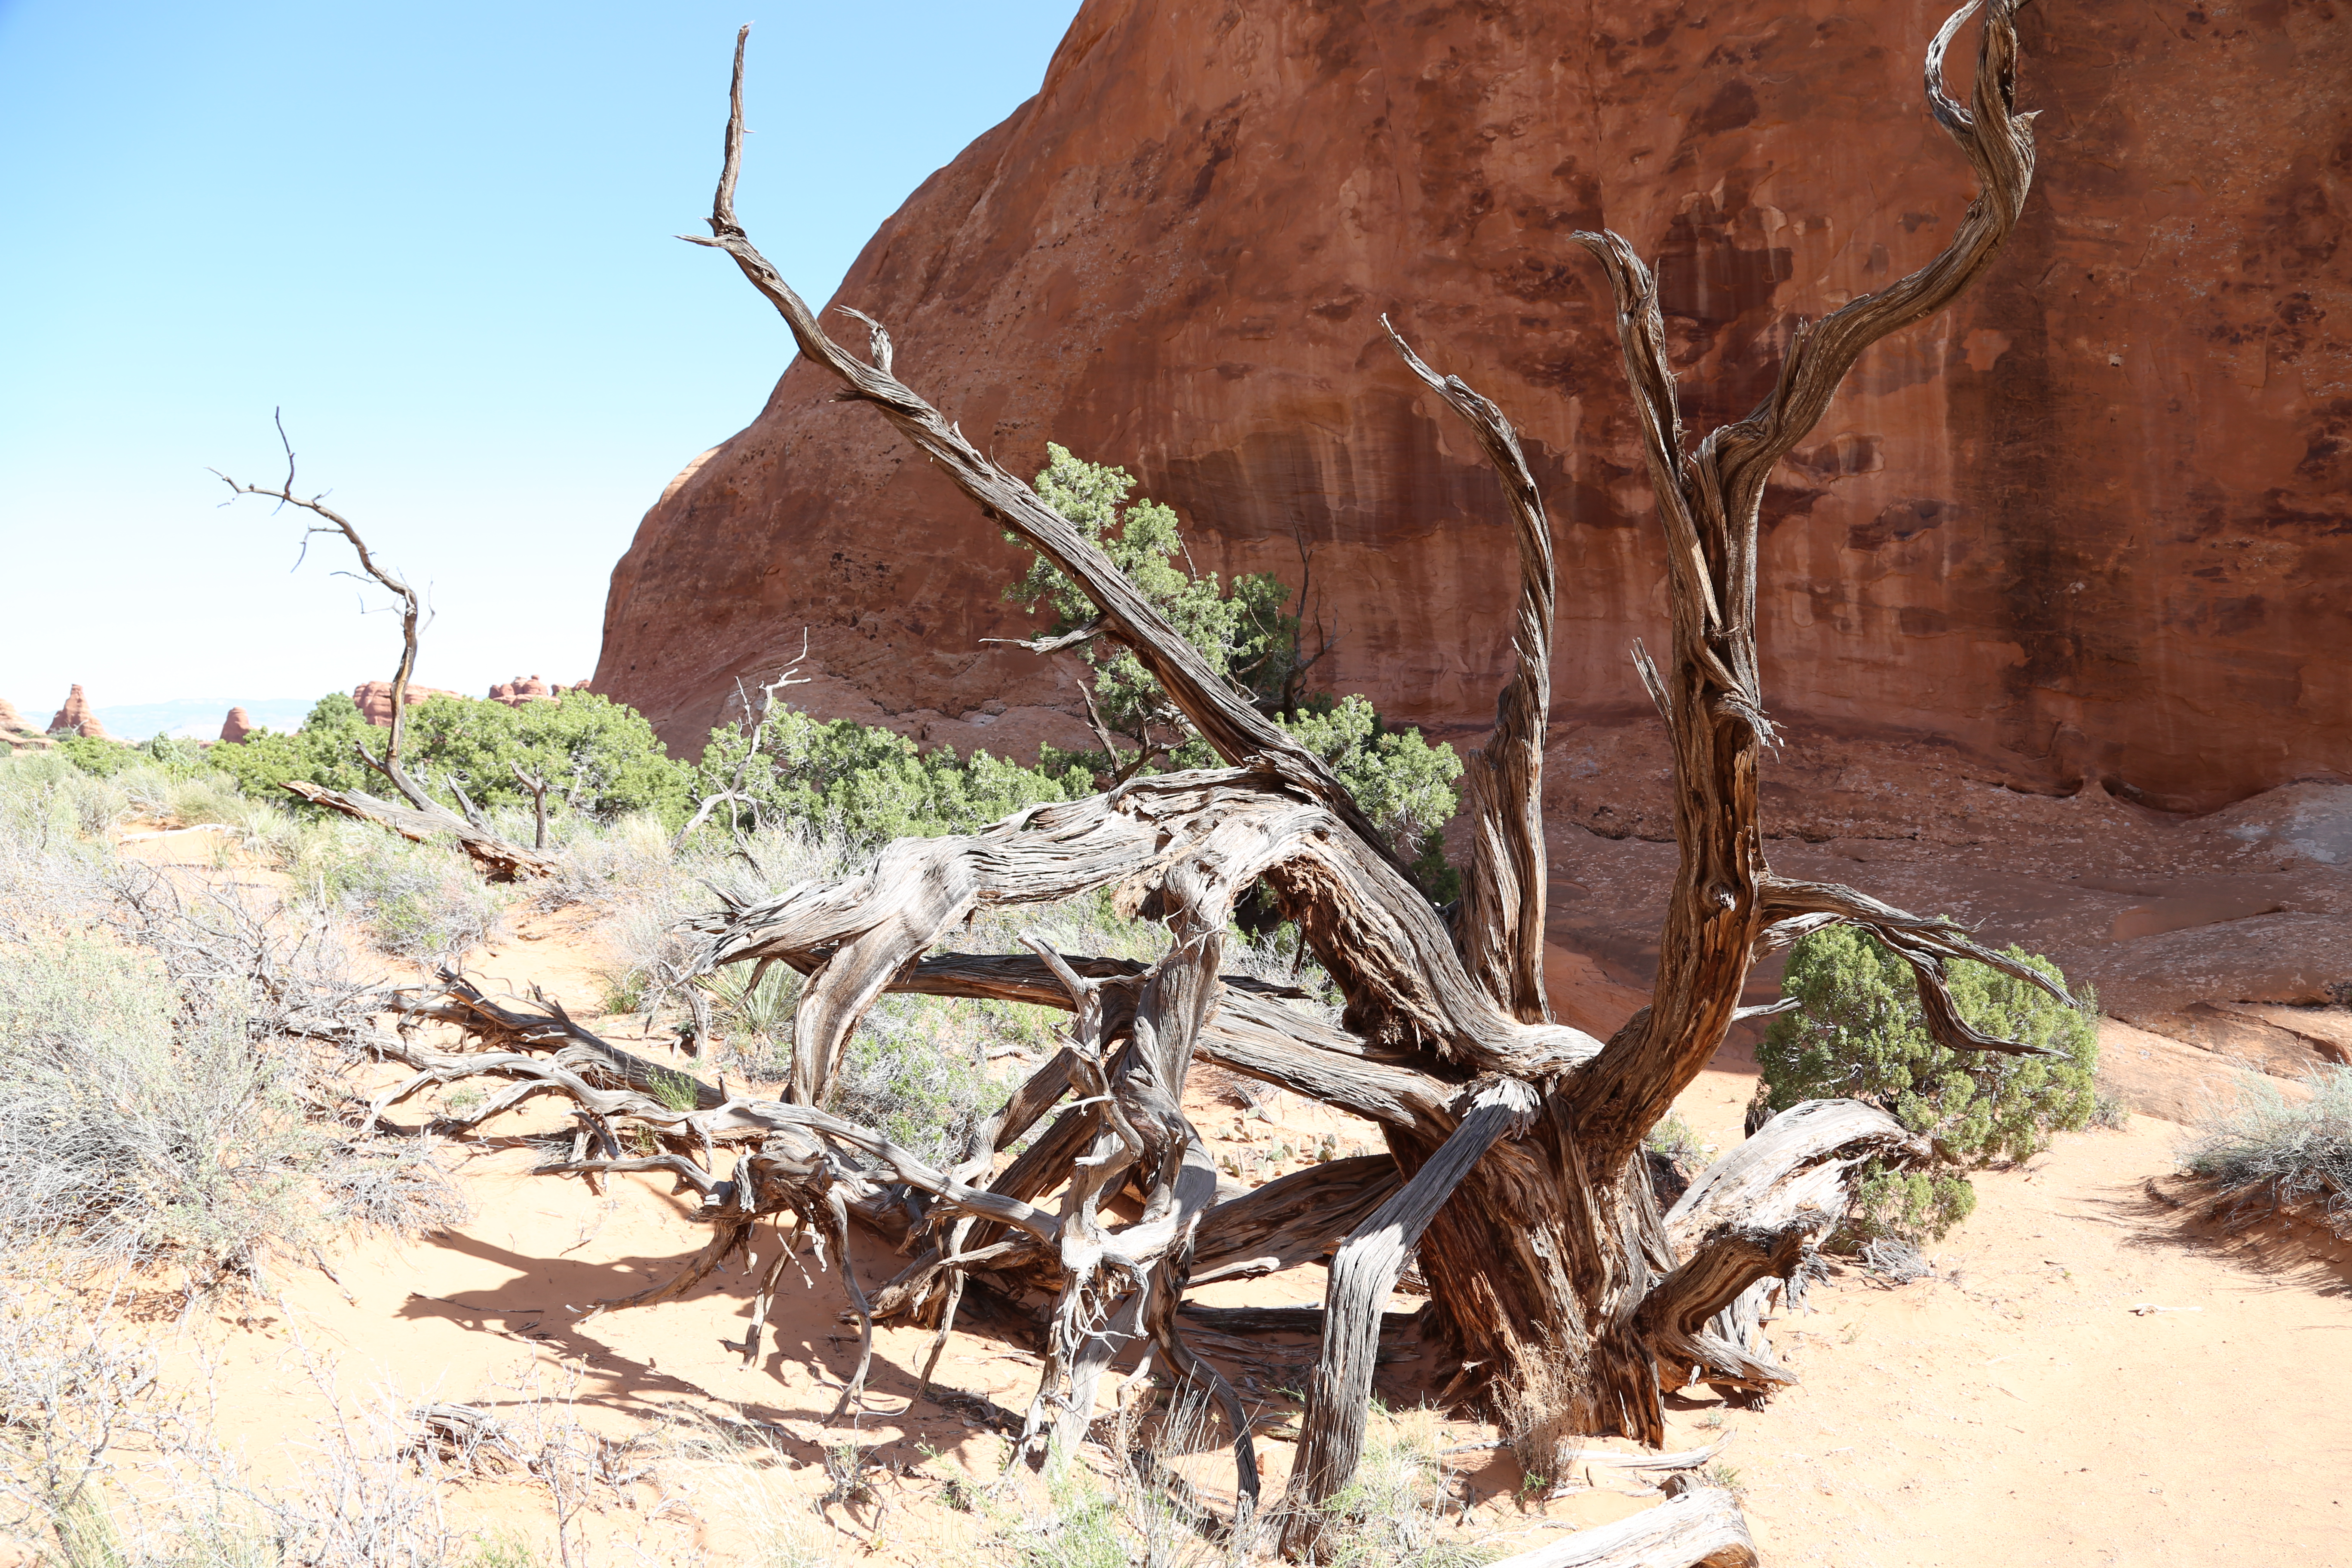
2021 1405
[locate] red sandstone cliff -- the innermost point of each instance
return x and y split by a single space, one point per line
2093 523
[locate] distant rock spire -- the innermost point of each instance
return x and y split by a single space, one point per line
76 716
236 726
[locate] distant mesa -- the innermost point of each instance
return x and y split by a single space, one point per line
236 727
525 688
374 698
76 718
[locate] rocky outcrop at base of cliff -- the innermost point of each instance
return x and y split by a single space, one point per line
2228 936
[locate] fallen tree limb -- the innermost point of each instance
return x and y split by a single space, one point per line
1700 1529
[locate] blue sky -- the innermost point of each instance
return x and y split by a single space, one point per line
439 235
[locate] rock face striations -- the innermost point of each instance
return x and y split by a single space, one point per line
2093 524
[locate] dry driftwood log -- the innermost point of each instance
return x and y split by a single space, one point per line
1555 1281
422 817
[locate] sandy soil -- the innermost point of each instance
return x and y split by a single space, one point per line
2091 1375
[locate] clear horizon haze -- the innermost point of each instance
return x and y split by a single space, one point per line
440 238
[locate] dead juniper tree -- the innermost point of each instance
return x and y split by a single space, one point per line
1514 1143
421 817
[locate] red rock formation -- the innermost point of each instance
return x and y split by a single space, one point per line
15 734
76 718
523 688
236 727
374 698
2091 523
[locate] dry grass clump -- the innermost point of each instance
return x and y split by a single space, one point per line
422 901
2263 1154
170 1048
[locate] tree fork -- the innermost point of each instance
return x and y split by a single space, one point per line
1578 1300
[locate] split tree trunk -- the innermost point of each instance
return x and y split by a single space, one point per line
1568 1296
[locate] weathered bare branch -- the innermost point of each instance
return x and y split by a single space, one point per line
425 816
1700 1529
1331 1435
1758 1211
1502 931
1923 942
1709 504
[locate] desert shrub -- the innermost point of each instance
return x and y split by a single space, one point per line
324 751
98 758
1238 633
417 900
1405 784
865 784
49 806
140 1118
184 796
596 755
599 757
1858 1033
390 1185
2264 1152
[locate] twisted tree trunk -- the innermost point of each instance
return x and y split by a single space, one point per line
1559 1282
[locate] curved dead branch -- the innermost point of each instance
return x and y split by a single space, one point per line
1756 1211
422 817
1501 933
1709 504
1923 942
1190 841
1331 1437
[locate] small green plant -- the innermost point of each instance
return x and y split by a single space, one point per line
675 1090
2109 1111
1389 1515
1245 631
1674 1138
1079 1527
1858 1033
1727 1477
504 1548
